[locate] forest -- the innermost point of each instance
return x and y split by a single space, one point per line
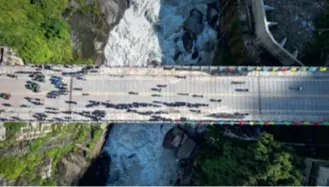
37 31
232 162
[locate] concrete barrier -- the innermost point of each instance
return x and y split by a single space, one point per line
265 37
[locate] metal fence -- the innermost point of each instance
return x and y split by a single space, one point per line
191 122
212 68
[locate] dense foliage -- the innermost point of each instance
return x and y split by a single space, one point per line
36 30
318 51
233 162
62 140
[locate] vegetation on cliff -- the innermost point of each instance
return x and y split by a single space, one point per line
37 30
234 162
22 161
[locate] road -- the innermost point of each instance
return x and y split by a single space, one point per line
268 98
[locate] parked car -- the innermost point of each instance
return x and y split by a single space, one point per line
156 89
238 82
77 89
133 93
162 85
241 90
215 100
26 106
35 87
299 88
196 95
5 96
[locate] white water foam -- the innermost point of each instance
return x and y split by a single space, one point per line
137 156
151 30
147 32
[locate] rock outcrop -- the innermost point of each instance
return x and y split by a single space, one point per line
186 149
194 22
178 139
92 29
9 57
113 10
98 172
187 41
71 166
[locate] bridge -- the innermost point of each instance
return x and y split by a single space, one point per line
196 95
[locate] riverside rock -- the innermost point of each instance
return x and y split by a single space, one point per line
113 10
173 138
187 41
186 149
194 22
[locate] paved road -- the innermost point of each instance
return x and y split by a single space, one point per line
268 98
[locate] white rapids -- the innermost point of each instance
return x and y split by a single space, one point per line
152 30
138 157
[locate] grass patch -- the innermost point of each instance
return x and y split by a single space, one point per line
14 127
13 166
56 154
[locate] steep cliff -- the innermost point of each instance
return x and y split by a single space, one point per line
48 154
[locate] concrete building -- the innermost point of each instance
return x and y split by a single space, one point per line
316 172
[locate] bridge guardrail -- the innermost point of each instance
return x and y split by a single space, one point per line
201 68
193 122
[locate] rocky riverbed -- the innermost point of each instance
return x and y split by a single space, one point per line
144 154
137 155
90 23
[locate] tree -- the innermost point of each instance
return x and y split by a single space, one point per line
36 30
265 162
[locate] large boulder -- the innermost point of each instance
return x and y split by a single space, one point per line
197 15
195 54
212 15
176 56
97 173
187 41
192 25
186 149
113 10
74 4
71 167
174 138
194 22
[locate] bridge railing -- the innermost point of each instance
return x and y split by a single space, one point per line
191 122
195 68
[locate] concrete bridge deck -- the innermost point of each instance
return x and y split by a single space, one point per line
268 98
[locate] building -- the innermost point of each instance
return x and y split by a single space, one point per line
316 172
